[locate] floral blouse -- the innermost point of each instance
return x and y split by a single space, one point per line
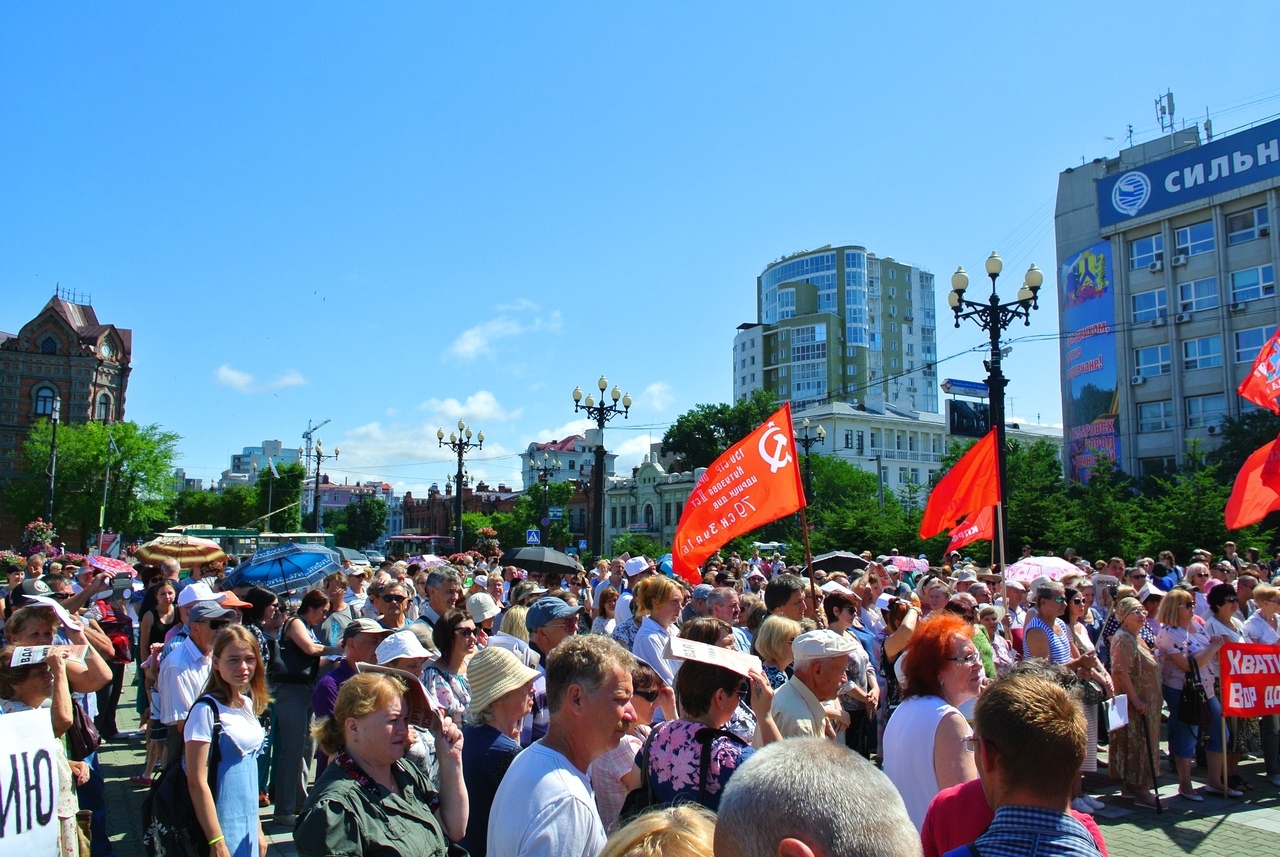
675 759
449 691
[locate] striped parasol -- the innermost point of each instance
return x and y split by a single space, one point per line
189 551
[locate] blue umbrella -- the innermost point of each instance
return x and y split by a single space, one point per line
285 567
664 564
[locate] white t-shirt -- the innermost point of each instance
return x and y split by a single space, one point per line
544 808
239 724
622 609
182 677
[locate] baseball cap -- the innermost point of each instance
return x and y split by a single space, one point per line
636 565
198 591
823 643
362 626
401 644
702 591
29 588
546 610
205 611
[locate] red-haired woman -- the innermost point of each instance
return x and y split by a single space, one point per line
924 743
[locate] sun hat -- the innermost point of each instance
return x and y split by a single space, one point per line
401 644
493 673
636 565
546 610
823 643
480 580
481 606
362 626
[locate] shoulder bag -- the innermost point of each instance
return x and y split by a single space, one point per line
1193 706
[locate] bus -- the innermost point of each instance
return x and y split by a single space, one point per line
405 546
243 542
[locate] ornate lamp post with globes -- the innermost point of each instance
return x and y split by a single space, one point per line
321 458
994 317
601 413
460 442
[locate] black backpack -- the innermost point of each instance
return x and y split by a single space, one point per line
169 823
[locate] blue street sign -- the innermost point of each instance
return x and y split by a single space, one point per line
582 544
532 537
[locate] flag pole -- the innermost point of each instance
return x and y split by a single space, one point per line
808 563
1004 586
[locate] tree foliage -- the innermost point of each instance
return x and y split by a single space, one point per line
284 494
528 514
361 522
138 492
235 507
700 436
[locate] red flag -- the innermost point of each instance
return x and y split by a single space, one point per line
1257 488
1262 384
974 482
757 481
979 525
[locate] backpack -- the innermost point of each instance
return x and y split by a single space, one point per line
168 817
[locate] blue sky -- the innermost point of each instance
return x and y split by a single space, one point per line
394 215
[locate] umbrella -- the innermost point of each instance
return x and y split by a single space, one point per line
111 564
906 563
1028 569
427 560
838 561
540 560
189 551
664 564
285 567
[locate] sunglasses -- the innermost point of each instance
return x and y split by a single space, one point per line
394 599
1231 599
649 696
59 596
218 624
1077 600
465 632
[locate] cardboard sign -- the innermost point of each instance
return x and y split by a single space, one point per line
29 767
422 713
25 656
1250 679
730 659
67 620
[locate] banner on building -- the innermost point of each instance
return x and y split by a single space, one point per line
29 775
1087 297
1250 679
755 482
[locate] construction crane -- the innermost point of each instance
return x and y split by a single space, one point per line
306 455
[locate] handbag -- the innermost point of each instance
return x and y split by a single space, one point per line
1193 706
83 739
169 821
1092 691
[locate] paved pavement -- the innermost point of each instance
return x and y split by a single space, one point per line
1215 828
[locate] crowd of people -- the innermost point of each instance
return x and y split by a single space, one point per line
875 710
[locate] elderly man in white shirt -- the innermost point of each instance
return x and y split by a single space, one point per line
185 670
799 706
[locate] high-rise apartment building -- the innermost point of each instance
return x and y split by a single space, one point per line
840 324
1167 291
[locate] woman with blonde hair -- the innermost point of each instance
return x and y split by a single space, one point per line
234 697
773 645
370 800
661 599
680 831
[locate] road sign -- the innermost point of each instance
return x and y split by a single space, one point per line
582 544
546 522
555 513
532 537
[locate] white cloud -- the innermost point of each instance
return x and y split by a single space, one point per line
480 406
658 395
411 458
243 382
512 320
569 429
631 451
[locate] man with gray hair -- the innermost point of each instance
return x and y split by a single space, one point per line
808 797
545 805
727 607
444 589
821 661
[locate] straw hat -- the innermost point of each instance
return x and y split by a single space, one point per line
492 673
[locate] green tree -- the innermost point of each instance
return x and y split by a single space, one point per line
1106 512
528 513
637 544
139 491
1241 438
239 506
283 494
197 507
701 435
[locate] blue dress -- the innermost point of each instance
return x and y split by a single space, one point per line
236 789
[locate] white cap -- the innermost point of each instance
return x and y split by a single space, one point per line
194 592
481 606
401 644
636 565
480 580
823 643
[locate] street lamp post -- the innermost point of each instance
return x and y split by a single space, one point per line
806 441
550 466
55 417
321 458
460 442
994 317
601 413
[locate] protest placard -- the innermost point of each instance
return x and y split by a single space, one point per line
28 783
1250 679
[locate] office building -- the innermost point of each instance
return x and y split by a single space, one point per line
1166 280
840 324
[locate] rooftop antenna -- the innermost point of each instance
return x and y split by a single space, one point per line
1164 111
1131 136
1208 126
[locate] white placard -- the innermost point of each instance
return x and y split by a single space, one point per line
25 656
731 659
1117 712
29 767
64 617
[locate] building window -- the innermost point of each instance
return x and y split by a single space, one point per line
666 514
1205 410
1250 342
915 476
1155 416
1194 239
1149 305
897 441
1152 361
613 517
1144 251
679 509
1203 353
572 465
1149 467
1253 283
902 476
860 442
875 439
44 401
1245 226
104 414
1198 295
848 439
